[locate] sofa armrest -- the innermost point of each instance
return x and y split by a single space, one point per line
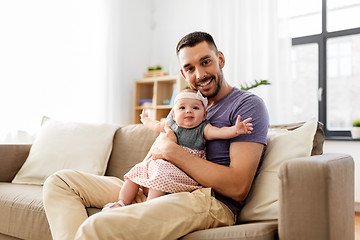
316 198
12 157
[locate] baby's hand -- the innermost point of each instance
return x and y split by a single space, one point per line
244 127
144 115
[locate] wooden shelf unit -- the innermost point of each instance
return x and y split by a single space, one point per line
159 89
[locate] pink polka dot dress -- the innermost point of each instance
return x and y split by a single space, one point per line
164 176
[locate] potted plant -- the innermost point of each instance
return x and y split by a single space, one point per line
355 131
154 71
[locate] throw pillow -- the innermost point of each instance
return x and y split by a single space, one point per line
282 145
67 145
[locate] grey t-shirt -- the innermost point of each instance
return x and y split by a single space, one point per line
224 113
189 137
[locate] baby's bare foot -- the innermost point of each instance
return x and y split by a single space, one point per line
117 204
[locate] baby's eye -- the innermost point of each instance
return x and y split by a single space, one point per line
181 107
196 108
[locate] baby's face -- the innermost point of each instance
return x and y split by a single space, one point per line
189 113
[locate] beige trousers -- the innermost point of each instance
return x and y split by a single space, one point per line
67 193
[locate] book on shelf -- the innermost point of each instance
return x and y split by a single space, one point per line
145 102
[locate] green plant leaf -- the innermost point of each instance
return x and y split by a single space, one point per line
256 83
356 123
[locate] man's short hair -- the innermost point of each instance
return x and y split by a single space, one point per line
193 39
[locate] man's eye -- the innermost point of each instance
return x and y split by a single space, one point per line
206 62
190 69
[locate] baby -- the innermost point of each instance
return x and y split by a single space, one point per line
191 128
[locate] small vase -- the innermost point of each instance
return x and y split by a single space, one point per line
355 132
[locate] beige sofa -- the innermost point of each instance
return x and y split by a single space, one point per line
316 194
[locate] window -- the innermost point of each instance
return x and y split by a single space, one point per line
326 62
304 74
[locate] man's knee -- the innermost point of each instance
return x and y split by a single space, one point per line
101 226
55 181
55 177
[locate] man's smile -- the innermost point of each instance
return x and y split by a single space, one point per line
206 83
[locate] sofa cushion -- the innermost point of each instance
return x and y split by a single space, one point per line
319 137
12 157
267 230
22 214
131 144
7 237
67 145
282 145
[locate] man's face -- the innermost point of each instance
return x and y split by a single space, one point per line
202 67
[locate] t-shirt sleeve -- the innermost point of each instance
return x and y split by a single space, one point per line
203 125
254 107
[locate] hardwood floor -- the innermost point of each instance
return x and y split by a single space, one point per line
357 226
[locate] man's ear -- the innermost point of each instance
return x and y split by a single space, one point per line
221 59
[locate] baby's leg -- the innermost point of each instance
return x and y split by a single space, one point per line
153 193
128 192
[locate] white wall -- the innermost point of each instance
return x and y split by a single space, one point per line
67 55
348 147
132 29
150 31
171 21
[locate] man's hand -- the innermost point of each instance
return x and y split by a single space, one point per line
164 144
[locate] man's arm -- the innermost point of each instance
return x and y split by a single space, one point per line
233 181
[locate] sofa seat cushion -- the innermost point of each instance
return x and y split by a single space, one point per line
22 213
92 210
266 230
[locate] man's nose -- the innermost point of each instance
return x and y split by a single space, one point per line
200 73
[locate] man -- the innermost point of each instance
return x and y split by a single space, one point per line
226 175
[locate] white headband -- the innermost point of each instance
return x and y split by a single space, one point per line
192 95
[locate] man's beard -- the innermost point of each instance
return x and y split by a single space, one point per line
217 86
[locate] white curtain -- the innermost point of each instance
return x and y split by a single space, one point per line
52 63
252 34
256 44
78 60
73 60
68 60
